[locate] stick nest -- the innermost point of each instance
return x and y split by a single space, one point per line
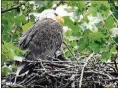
68 74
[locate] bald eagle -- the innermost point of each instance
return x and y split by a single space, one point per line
43 39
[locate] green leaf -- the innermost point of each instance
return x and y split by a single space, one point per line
106 56
68 21
83 44
109 22
68 33
82 4
103 7
7 51
20 19
6 70
73 43
5 24
113 50
18 51
87 32
95 47
81 7
77 12
97 35
75 28
32 18
67 54
26 26
76 31
116 39
92 10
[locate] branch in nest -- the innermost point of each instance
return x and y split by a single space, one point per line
80 82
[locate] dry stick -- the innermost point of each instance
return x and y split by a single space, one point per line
115 65
81 77
46 61
17 86
25 79
39 86
43 66
111 66
30 79
116 59
73 72
115 79
40 62
68 83
31 83
93 72
61 82
73 78
55 84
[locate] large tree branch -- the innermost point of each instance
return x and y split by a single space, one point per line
13 8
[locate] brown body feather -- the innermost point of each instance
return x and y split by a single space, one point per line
43 38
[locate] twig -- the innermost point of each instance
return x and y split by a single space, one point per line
55 85
98 73
110 66
71 52
61 82
72 78
115 79
60 2
82 72
16 86
68 83
58 65
113 40
43 67
47 61
39 86
30 79
114 17
30 83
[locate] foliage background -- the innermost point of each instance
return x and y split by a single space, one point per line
93 26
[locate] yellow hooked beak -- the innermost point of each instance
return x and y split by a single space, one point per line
60 19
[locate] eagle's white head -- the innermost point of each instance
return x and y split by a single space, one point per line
49 13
